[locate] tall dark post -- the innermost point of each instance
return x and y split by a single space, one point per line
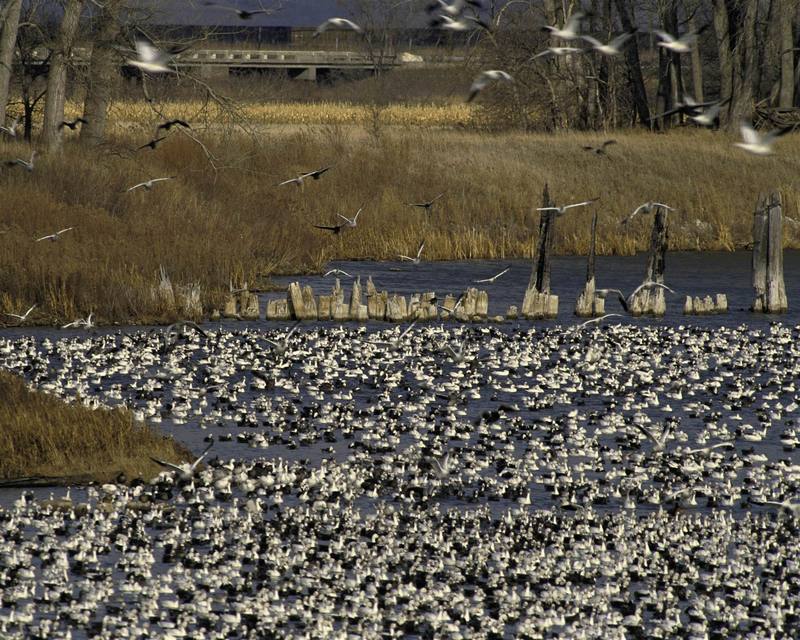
538 302
652 301
768 283
588 305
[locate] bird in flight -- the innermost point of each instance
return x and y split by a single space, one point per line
597 320
759 144
71 124
425 205
600 150
415 259
25 164
282 346
678 45
560 211
243 14
570 30
55 236
625 302
557 51
316 175
171 123
337 272
150 59
394 343
152 144
148 184
494 277
484 79
455 9
24 316
613 48
11 130
647 207
341 23
185 471
87 322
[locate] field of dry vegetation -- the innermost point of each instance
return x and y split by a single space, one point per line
224 219
42 436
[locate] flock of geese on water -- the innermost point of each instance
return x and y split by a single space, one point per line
465 482
462 482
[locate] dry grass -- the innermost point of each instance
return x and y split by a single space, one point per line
42 436
209 227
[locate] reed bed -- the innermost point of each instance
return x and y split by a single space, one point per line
42 436
230 222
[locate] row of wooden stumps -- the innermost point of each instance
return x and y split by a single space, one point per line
301 304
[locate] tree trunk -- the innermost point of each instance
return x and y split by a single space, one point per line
9 16
57 76
723 33
635 79
785 17
745 64
103 70
697 65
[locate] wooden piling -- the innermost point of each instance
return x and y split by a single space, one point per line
538 303
768 283
653 301
249 307
588 305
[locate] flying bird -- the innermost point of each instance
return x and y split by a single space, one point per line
53 237
71 124
171 123
185 471
570 30
647 207
152 144
316 175
557 51
81 322
679 45
484 79
455 9
19 162
759 144
601 150
625 302
148 184
24 316
242 13
149 59
282 345
11 130
560 211
597 320
341 23
337 272
613 48
494 277
415 259
710 116
425 205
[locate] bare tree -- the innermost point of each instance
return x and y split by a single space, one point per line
30 80
785 18
635 77
57 77
103 69
9 19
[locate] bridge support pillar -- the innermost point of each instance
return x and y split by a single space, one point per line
309 73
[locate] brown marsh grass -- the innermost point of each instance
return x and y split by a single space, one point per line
210 226
42 436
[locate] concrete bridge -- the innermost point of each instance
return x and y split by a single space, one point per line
303 65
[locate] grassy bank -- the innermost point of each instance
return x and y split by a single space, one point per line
42 436
223 218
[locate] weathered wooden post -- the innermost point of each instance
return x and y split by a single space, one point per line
652 300
538 303
768 284
588 304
